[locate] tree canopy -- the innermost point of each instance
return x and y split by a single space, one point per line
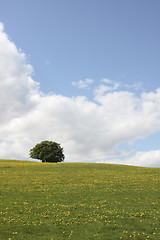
47 151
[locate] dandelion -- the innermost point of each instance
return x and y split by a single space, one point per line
70 234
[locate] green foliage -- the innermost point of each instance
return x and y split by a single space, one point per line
47 151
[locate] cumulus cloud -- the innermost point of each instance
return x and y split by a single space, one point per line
18 90
83 83
88 130
149 159
142 159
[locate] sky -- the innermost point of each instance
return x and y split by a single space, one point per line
85 74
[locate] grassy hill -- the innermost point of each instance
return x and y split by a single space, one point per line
78 201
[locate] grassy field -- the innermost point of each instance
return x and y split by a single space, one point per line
78 201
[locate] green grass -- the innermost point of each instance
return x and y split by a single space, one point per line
78 201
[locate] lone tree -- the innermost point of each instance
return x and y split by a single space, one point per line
47 151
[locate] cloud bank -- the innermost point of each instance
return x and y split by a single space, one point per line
88 130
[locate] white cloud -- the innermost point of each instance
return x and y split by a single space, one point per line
107 81
106 86
88 130
18 90
137 86
142 159
83 83
149 159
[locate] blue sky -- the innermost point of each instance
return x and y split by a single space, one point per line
70 40
74 46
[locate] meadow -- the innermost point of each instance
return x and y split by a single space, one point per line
78 201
